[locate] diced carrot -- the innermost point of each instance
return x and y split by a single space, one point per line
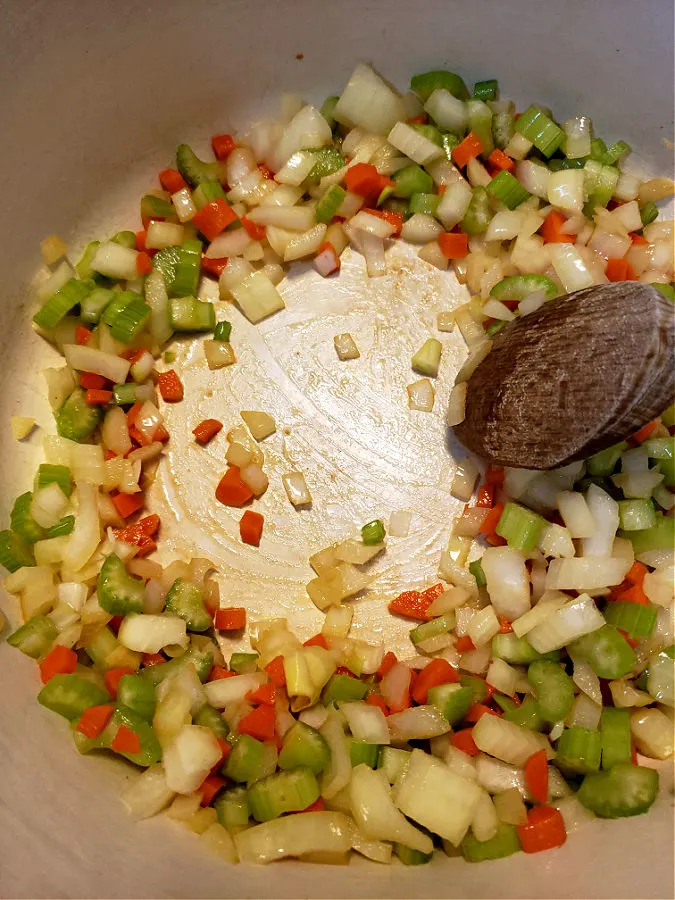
536 776
501 161
317 806
646 432
454 245
260 723
619 269
632 642
171 180
494 475
214 218
214 267
225 749
327 260
633 755
634 594
132 414
638 239
59 661
478 710
231 490
464 644
114 623
161 434
364 180
389 660
491 521
505 627
544 829
132 355
112 678
140 240
127 504
463 740
485 497
376 700
93 720
82 335
468 149
92 382
150 524
266 172
394 218
275 670
418 120
93 397
636 573
217 673
412 605
126 741
223 145
434 591
209 787
109 454
551 229
496 540
143 263
343 670
438 671
251 527
206 430
265 694
232 618
318 640
153 659
170 386
255 232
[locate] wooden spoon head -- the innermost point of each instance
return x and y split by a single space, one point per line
584 371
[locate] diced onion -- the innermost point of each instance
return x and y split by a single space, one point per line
368 101
421 395
507 741
229 243
297 835
507 581
150 634
366 723
87 359
577 618
421 228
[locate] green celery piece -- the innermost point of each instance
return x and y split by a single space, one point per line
187 601
328 109
154 207
486 90
520 527
222 331
608 652
166 261
410 857
344 687
502 128
125 239
480 122
211 718
505 187
328 161
169 357
518 287
246 758
190 314
70 295
101 646
424 203
362 753
151 751
329 204
615 736
34 637
188 269
430 132
130 321
660 537
660 448
600 182
232 809
434 628
526 715
125 394
137 694
76 420
649 213
515 650
667 290
71 695
22 522
557 165
448 142
426 83
15 552
504 843
243 663
201 658
478 215
476 569
427 359
598 150
616 153
636 515
453 700
477 685
83 267
553 689
636 620
193 169
494 327
282 792
579 750
604 462
373 532
539 128
304 746
49 474
393 762
121 299
119 593
412 180
394 204
207 192
625 790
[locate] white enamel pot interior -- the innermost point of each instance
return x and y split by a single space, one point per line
95 96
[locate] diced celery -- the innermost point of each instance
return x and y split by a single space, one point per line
130 321
207 192
119 593
426 83
478 215
424 203
537 127
434 628
373 532
69 296
327 110
232 808
186 600
34 637
243 663
328 161
362 753
15 552
649 213
660 537
579 750
526 715
412 180
193 170
282 792
452 700
344 687
520 527
22 522
607 651
393 762
553 689
604 462
518 287
486 90
125 239
514 649
49 474
636 620
329 204
636 515
505 187
71 695
476 570
615 736
410 857
427 359
211 718
504 843
625 790
190 314
138 694
120 300
76 420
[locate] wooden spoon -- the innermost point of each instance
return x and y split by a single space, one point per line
584 371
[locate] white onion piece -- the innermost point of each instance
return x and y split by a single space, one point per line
48 505
574 813
293 218
296 168
477 354
576 515
566 190
653 733
456 404
447 111
417 723
421 228
504 225
454 204
87 359
585 713
305 244
148 794
586 680
150 634
86 534
482 627
464 481
189 758
605 512
228 690
534 177
496 310
570 267
115 431
163 234
507 741
502 677
577 618
507 581
115 261
230 243
339 771
315 832
421 395
578 133
373 224
485 821
368 101
496 776
399 523
394 686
